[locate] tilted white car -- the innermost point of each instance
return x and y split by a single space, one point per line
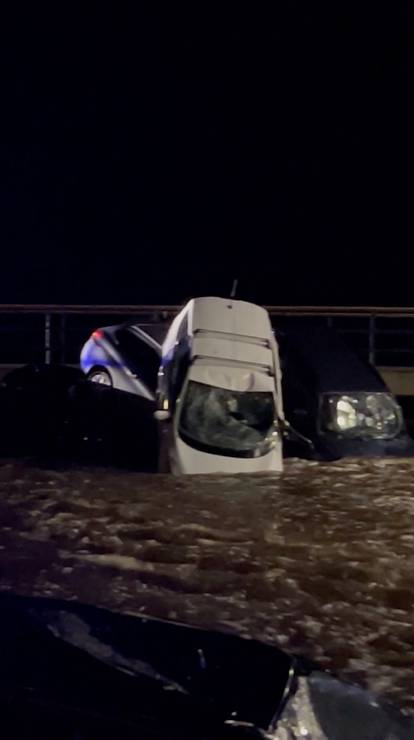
220 388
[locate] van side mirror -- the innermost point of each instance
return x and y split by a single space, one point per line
162 415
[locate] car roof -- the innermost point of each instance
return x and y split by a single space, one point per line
323 352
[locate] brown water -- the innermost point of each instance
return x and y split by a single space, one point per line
319 560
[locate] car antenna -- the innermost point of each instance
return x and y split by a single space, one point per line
234 288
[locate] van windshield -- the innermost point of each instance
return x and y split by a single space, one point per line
227 422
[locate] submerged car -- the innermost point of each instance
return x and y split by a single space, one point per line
219 387
53 412
124 357
70 670
335 398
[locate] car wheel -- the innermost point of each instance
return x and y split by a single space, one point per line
101 376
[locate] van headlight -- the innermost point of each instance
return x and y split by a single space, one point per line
363 415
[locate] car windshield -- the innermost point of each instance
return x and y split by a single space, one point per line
222 421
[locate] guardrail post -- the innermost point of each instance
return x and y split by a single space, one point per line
48 338
371 340
63 338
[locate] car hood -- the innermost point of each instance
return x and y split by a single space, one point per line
199 683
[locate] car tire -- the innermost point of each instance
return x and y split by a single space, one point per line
101 376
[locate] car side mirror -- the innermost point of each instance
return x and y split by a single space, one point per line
162 415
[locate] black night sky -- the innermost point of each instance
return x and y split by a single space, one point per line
152 156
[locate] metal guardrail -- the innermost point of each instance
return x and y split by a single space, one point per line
84 309
377 331
157 309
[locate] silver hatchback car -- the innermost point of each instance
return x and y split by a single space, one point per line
124 357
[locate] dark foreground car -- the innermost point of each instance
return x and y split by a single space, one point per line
335 399
53 411
76 672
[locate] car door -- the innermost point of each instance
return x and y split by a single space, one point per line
141 355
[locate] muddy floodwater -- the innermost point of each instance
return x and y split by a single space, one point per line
318 561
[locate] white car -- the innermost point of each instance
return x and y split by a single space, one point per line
220 389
